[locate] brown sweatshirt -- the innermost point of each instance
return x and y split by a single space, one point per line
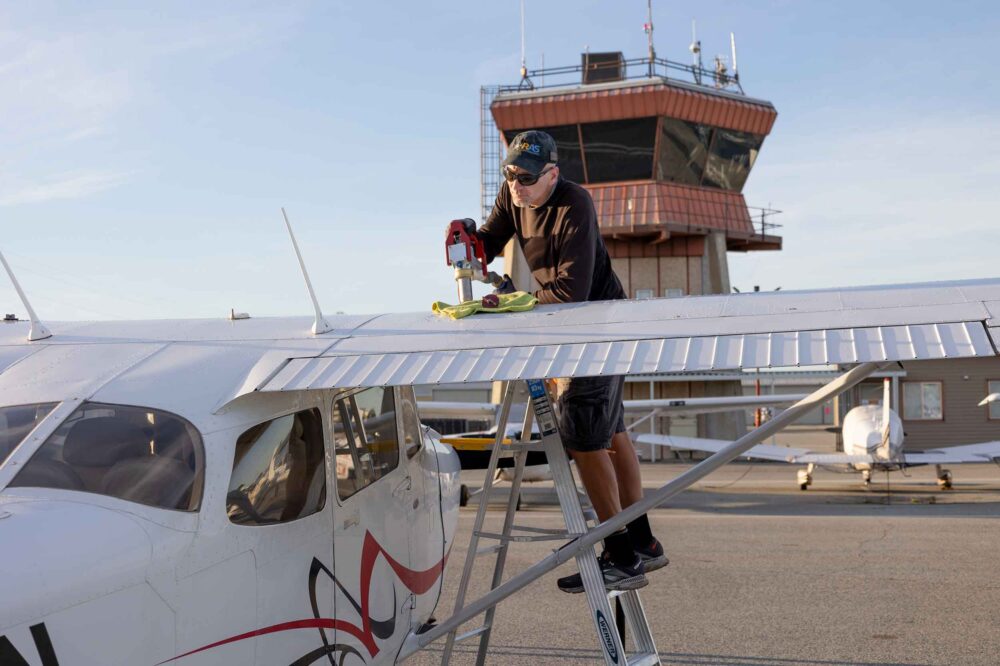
561 242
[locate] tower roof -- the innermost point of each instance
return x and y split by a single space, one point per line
657 96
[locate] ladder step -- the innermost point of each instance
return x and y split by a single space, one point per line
540 530
522 538
644 659
486 550
471 633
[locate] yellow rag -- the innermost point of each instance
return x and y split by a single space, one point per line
519 301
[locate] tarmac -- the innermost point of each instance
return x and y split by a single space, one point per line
762 573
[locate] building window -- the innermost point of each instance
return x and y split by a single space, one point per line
993 386
673 293
567 140
365 439
619 150
644 293
683 151
278 471
731 157
922 401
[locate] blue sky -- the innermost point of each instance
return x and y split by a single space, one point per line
145 150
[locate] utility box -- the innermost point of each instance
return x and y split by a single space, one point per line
603 67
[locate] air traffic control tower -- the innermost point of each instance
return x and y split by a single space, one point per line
664 150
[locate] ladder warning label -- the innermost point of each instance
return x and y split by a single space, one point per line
606 637
543 407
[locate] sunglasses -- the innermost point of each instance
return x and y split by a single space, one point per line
525 179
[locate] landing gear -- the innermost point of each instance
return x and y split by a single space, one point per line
943 477
804 476
463 495
866 477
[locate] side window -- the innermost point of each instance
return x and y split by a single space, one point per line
136 454
412 432
278 471
365 439
922 401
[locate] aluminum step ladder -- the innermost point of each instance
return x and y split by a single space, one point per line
497 545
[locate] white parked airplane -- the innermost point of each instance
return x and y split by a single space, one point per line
252 491
873 442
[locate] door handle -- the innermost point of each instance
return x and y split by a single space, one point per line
405 484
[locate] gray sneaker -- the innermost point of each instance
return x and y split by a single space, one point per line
617 578
652 556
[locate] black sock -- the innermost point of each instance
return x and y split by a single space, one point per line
620 548
640 533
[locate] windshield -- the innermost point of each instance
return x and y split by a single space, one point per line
17 422
133 453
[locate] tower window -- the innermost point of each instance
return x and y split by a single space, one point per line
730 159
619 149
683 151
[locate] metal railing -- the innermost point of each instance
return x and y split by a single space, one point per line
632 68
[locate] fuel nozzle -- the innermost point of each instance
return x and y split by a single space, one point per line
465 253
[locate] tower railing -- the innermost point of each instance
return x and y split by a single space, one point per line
631 68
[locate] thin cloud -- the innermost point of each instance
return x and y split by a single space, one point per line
65 187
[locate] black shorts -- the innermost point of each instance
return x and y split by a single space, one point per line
590 412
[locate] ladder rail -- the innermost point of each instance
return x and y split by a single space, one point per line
470 558
508 524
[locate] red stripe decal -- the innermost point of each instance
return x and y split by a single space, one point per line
417 582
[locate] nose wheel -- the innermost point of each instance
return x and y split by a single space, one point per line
804 477
943 478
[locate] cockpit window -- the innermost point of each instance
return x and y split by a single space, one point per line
17 422
132 453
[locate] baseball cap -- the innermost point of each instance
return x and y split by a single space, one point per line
531 151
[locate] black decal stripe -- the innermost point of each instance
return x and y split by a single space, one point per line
9 656
314 570
44 645
385 628
327 651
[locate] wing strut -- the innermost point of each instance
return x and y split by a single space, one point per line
415 642
320 324
38 330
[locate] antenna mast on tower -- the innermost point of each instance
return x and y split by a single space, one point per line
695 49
524 61
649 35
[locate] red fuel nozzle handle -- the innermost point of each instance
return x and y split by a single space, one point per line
463 232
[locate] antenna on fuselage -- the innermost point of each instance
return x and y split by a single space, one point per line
320 325
38 330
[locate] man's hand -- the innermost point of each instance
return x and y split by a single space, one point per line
505 287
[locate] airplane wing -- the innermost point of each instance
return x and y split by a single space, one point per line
906 322
702 333
785 454
968 453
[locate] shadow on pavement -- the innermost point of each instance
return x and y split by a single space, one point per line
526 654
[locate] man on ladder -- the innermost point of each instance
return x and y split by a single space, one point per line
556 226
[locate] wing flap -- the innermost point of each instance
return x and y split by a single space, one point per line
339 369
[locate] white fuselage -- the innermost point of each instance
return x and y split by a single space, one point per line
91 578
863 434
